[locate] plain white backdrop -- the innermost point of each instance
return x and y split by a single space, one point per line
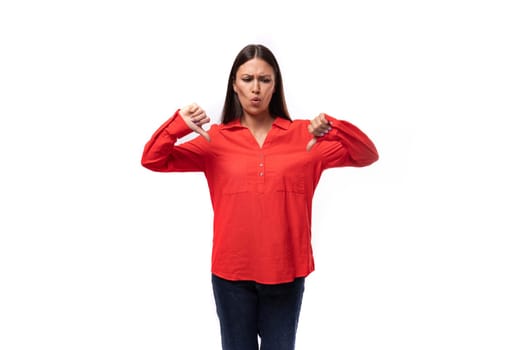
422 250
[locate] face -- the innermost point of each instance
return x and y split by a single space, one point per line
255 85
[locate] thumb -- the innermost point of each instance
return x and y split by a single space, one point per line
311 143
202 132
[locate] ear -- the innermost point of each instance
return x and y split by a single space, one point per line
234 86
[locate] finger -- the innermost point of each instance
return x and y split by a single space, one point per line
324 129
196 118
310 128
193 108
201 120
311 143
197 111
320 132
188 111
320 123
316 123
203 133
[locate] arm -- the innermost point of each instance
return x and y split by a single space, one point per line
161 153
342 143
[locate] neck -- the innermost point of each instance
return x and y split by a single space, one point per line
259 126
257 123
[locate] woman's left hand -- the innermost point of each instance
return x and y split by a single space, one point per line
319 126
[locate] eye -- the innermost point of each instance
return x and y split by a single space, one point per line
266 80
247 79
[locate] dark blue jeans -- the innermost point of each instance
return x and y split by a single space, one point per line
248 310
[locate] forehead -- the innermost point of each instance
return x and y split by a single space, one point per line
255 66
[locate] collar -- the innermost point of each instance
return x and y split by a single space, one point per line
278 122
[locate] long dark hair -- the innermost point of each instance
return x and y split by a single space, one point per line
232 108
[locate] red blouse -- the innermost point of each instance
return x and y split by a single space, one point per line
261 196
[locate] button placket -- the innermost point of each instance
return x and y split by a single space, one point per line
260 168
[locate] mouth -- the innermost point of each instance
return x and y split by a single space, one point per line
256 101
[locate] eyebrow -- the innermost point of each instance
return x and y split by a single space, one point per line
269 75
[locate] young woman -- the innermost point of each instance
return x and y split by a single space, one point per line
262 168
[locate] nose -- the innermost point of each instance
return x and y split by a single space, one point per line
256 87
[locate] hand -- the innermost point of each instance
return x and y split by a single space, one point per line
195 117
319 126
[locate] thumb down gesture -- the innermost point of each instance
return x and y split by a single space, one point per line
318 127
195 117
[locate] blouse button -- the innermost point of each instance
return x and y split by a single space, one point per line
261 173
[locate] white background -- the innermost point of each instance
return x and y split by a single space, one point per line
422 250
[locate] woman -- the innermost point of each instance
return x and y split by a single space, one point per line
262 169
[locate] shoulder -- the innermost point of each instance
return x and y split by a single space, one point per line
216 128
233 125
299 123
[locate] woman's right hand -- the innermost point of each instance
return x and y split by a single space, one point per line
195 117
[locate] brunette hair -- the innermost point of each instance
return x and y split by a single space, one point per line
232 108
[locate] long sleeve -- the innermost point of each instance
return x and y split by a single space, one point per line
346 145
161 154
